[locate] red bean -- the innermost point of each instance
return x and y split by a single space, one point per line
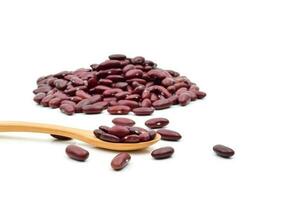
157 123
117 57
170 135
137 130
68 109
122 121
184 99
92 109
162 153
120 131
129 103
131 139
162 104
143 111
77 153
118 110
120 161
110 138
223 151
38 97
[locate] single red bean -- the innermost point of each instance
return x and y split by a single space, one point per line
184 99
138 60
82 94
117 57
98 133
120 161
121 95
168 82
116 78
162 104
119 110
80 104
157 122
121 85
106 82
137 130
223 151
59 137
152 134
119 131
108 64
173 99
111 92
68 109
146 103
134 73
110 138
46 99
131 139
38 97
170 135
129 103
162 153
77 153
104 128
92 109
60 84
133 97
68 102
144 137
143 111
122 121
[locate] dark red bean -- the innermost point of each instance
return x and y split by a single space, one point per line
68 109
110 138
157 123
77 153
59 137
137 130
146 103
121 85
60 84
162 104
184 99
138 60
68 102
46 99
80 104
131 139
82 94
223 151
169 135
143 111
162 153
173 99
120 161
55 102
106 82
133 97
104 128
111 92
129 103
152 134
116 78
92 109
98 133
144 137
120 131
168 82
119 110
134 73
107 65
38 97
121 95
122 121
117 57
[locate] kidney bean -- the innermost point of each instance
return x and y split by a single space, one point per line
161 104
38 97
98 133
68 102
108 64
121 85
139 60
116 78
200 94
106 82
60 137
104 104
122 121
82 94
134 73
104 128
94 99
117 57
154 97
55 102
140 81
162 153
144 137
77 153
157 122
68 109
180 91
139 89
129 103
43 89
119 110
75 80
173 99
110 138
110 99
143 111
60 84
137 130
120 131
146 103
223 151
168 82
157 74
121 95
131 139
169 135
152 134
111 92
46 99
173 73
80 104
133 97
192 95
92 109
120 161
184 99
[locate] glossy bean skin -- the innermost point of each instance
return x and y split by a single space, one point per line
59 137
142 111
110 138
223 151
92 109
161 104
122 121
120 161
169 135
67 109
131 139
119 110
77 153
119 131
157 122
162 153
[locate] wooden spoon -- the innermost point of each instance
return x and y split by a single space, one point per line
79 134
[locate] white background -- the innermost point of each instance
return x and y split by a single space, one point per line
244 54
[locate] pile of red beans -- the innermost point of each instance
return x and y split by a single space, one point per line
119 84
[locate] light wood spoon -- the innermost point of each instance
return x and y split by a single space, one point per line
79 134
